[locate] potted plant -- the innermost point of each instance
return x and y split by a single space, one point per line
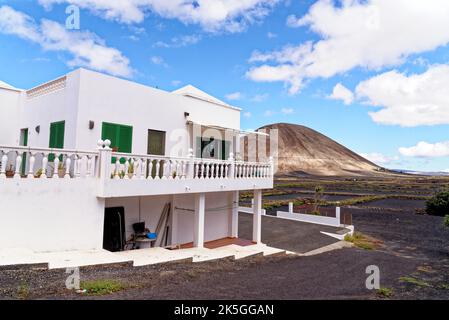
9 172
131 169
38 173
61 170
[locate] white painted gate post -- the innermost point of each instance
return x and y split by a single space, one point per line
198 230
290 207
257 216
337 214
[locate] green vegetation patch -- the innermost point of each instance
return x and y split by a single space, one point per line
446 221
384 292
363 241
438 205
414 281
23 291
102 287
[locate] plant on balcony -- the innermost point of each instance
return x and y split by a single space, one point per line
130 169
39 173
61 170
174 174
9 172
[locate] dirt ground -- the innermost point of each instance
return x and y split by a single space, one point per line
413 260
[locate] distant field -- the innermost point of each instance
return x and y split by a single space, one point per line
397 193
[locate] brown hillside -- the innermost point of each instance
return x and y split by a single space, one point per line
303 150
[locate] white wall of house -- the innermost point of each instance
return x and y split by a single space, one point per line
49 215
92 96
216 225
9 115
216 221
149 210
60 105
108 99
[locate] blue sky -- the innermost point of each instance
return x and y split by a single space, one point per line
371 74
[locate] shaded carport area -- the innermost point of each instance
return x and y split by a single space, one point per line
286 234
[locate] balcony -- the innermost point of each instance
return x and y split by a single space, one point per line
126 175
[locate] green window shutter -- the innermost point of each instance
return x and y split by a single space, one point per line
57 131
110 131
125 139
120 137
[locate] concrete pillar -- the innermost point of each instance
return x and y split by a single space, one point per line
198 230
173 222
257 216
290 207
234 214
337 214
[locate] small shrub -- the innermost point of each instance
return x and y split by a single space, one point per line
101 287
385 292
414 281
439 204
446 221
361 241
23 291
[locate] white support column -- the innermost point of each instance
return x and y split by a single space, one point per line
198 230
233 220
173 222
257 216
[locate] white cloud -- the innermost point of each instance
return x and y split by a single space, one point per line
234 96
211 15
370 34
86 48
271 35
379 158
340 92
157 60
268 113
408 100
287 111
247 114
179 42
176 83
427 150
260 97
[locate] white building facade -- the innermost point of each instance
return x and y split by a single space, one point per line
86 157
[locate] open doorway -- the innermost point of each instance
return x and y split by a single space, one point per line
114 229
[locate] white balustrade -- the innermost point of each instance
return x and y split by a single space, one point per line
43 163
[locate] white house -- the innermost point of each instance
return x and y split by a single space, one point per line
86 156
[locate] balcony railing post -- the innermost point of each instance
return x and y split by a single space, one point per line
231 166
105 160
191 166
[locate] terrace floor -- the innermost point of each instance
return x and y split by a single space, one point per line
221 243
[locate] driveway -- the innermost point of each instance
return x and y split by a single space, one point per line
289 235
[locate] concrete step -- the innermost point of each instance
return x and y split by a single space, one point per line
204 254
150 256
241 252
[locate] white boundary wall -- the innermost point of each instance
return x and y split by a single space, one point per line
49 215
308 218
